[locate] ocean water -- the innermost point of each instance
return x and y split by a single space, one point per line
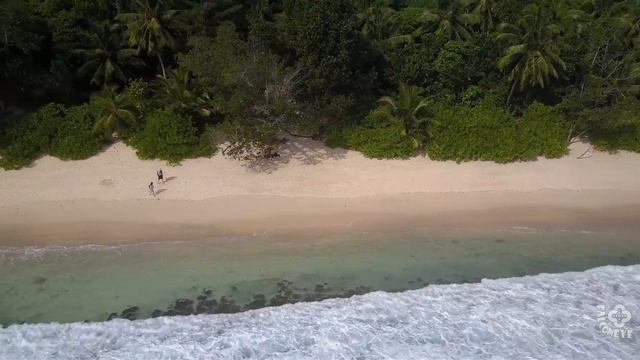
234 274
548 316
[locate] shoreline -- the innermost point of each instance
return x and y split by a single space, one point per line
311 190
117 222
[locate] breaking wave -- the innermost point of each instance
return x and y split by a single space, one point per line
547 316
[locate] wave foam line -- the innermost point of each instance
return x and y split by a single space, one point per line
547 316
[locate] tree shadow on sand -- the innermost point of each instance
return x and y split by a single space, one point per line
303 151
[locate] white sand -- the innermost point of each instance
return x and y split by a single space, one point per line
312 186
308 170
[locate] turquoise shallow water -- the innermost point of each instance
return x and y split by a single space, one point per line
65 284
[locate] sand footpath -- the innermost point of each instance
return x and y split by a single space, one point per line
313 187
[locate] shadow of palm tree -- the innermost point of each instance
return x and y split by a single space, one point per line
304 151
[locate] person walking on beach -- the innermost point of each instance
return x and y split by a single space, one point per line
151 190
160 176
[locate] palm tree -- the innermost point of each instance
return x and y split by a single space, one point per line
532 56
627 19
202 12
408 110
147 29
115 113
377 22
100 6
485 13
449 19
104 55
178 89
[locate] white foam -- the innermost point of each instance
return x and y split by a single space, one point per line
548 316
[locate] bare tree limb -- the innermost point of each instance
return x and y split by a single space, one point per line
584 154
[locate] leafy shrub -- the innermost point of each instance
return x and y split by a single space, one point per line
18 154
137 91
64 133
373 138
75 138
616 127
169 136
30 136
624 138
454 64
413 63
609 126
487 132
542 131
38 128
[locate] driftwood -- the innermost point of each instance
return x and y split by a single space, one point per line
571 139
301 136
584 154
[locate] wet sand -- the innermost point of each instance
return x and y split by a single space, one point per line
105 222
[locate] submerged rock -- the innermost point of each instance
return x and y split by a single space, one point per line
206 306
360 290
258 301
181 307
227 306
130 313
285 295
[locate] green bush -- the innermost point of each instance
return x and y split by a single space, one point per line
38 128
616 127
18 154
169 136
373 139
75 138
625 138
542 131
64 133
609 126
487 132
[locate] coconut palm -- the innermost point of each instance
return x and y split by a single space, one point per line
104 55
178 89
627 19
115 113
408 109
203 11
147 29
449 19
377 22
485 13
532 57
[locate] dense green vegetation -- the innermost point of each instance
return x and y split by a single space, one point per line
169 136
486 132
504 81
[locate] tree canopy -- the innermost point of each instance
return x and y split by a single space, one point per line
377 75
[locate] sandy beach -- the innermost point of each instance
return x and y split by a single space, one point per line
310 188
